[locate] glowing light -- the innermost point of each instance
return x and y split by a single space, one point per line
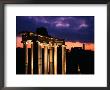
88 46
69 45
18 42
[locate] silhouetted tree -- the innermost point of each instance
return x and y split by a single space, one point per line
42 31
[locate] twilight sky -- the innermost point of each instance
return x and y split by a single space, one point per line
70 28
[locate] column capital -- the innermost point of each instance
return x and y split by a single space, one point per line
64 45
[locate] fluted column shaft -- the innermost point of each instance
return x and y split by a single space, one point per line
63 59
55 59
51 60
39 58
45 59
31 57
26 57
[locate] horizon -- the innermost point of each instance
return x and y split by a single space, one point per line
75 30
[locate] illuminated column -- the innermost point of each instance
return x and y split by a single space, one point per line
51 60
63 59
45 59
26 57
55 59
39 58
48 61
31 57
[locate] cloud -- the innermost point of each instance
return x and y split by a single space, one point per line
70 28
38 19
73 23
61 22
62 25
83 24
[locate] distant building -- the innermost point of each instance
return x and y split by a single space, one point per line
83 46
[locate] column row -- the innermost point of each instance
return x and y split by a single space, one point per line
50 59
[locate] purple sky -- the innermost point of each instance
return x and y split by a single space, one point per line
69 28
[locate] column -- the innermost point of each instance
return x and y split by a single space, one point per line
39 58
31 57
48 61
26 57
63 59
51 60
45 59
55 59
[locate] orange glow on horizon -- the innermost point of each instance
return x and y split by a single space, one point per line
18 42
69 45
88 46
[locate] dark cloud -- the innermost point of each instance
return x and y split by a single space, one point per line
70 28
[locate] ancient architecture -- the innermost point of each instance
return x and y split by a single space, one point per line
48 54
